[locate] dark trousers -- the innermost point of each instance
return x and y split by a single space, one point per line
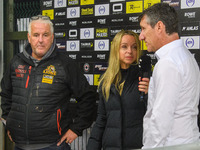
63 146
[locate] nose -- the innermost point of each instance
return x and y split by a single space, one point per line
129 49
141 36
40 38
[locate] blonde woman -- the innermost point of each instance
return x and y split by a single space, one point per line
119 124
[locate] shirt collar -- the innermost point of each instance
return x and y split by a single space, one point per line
162 52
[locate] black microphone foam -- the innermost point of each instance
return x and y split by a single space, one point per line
145 70
145 64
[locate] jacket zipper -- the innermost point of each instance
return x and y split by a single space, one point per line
28 102
58 121
27 81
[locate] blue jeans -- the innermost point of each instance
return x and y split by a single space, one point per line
63 146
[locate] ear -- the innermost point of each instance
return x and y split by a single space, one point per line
160 26
52 37
28 36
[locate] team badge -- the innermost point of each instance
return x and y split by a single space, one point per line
48 74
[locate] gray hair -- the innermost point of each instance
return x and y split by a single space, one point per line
42 19
162 12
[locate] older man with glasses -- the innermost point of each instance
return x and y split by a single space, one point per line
36 92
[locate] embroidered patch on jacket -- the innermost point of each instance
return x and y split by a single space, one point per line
20 71
49 74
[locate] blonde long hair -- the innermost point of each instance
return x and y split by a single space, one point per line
113 73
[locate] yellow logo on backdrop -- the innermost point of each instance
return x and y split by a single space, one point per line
149 3
87 2
49 13
96 79
87 11
134 7
102 32
144 46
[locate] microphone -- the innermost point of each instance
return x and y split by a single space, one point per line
145 70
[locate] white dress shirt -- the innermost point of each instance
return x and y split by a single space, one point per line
173 98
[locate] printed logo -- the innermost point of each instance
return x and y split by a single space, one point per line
133 19
73 33
87 45
61 45
20 71
102 33
148 3
73 23
61 13
89 22
136 30
134 7
89 78
50 70
96 79
117 8
73 2
113 32
48 74
60 24
191 42
87 11
87 33
190 14
100 67
190 4
117 20
60 34
190 28
73 12
48 3
60 3
101 56
173 3
73 56
86 67
87 2
49 13
101 45
102 10
88 56
101 21
73 45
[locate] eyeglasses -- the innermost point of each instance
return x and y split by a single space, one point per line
40 17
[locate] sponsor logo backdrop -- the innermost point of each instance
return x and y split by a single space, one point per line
85 28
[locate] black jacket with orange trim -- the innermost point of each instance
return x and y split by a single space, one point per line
35 98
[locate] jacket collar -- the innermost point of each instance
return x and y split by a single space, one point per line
28 53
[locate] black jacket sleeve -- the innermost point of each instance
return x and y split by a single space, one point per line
6 93
95 140
85 96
